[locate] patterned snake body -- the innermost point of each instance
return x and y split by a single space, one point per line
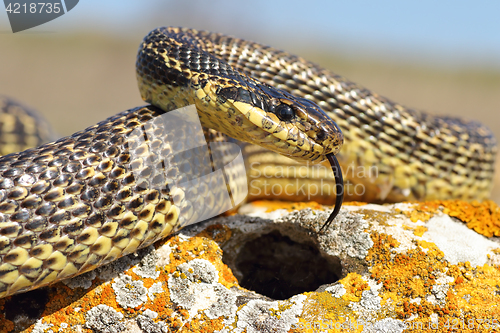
69 206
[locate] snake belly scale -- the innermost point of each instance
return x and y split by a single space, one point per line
69 206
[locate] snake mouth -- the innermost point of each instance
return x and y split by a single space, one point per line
339 189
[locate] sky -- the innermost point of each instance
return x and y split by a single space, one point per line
444 32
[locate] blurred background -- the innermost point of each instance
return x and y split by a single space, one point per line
442 57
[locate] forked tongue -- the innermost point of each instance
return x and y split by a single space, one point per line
339 189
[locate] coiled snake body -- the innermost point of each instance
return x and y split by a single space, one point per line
69 206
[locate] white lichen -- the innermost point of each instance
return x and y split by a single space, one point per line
194 286
347 235
41 327
370 300
129 293
265 316
104 319
156 288
445 231
147 266
337 290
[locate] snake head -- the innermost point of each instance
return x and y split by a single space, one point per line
289 125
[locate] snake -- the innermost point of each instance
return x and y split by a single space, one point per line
71 205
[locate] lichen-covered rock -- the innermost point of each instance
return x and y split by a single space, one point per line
377 269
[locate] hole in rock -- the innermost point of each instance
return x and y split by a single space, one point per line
278 267
24 309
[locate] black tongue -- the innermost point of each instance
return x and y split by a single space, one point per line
339 189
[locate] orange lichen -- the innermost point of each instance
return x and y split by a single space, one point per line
211 252
324 313
416 215
408 280
354 285
203 324
419 231
5 325
482 217
403 275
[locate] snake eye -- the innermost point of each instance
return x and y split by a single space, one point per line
284 112
321 135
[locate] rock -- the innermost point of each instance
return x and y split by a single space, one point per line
377 269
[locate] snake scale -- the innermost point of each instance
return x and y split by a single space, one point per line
71 205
